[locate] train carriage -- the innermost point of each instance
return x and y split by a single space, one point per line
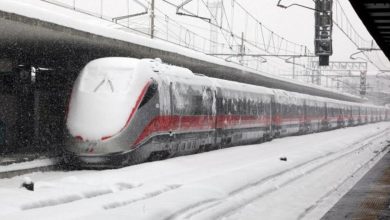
314 112
371 114
375 114
193 113
346 114
382 114
364 114
124 111
334 115
244 113
354 114
288 118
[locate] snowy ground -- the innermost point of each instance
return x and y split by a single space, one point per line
247 182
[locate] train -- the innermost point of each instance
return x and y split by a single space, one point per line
125 111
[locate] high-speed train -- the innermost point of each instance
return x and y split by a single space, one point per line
124 111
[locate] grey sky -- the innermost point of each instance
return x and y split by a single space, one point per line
295 24
298 25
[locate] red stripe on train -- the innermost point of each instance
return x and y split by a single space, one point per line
176 123
198 122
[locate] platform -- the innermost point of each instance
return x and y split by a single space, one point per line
20 158
368 199
21 163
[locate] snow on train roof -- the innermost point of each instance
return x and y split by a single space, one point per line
163 68
293 97
178 74
127 62
286 96
241 86
185 75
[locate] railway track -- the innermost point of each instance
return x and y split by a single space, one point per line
164 183
222 208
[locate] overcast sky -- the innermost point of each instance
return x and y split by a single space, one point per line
295 23
298 25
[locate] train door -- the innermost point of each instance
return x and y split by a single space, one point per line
276 117
324 122
209 114
173 144
267 110
305 116
218 114
224 108
350 116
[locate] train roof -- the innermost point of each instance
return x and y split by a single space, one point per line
231 85
120 62
185 75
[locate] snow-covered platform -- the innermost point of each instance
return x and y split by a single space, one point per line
21 163
369 198
299 177
13 158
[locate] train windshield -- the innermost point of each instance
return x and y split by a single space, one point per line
102 100
107 80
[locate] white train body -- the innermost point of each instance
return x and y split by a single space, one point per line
125 110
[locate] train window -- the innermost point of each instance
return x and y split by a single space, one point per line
196 105
242 109
229 106
292 110
207 102
260 107
235 106
248 110
253 108
246 106
286 110
107 79
152 90
224 106
264 107
240 105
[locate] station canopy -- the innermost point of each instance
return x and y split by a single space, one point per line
375 15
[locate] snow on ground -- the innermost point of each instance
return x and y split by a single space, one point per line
246 182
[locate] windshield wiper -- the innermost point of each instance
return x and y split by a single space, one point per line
102 82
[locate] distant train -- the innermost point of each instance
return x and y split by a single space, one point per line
124 111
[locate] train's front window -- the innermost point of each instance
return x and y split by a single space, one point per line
102 99
107 79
